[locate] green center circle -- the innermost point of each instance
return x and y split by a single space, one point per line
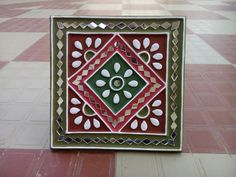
116 83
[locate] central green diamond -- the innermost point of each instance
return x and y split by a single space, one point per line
116 83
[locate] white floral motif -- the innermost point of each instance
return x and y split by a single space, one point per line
154 121
116 83
78 120
154 48
79 46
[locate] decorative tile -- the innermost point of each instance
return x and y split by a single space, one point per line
117 83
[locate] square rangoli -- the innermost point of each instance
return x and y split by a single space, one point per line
117 82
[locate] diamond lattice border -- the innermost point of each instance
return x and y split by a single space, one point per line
175 26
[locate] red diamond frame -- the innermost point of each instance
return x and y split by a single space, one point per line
154 87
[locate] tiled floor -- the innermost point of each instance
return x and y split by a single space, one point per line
210 97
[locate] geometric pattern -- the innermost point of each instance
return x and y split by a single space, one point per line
117 84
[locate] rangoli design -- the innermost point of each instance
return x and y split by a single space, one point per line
117 83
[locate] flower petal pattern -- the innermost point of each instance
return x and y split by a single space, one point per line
76 54
98 42
154 47
100 83
78 120
136 44
146 42
116 67
88 41
133 83
116 99
106 93
78 45
127 94
128 73
105 73
134 125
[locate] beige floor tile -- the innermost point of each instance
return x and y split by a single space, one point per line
31 136
28 95
6 132
136 164
228 14
44 98
145 12
139 2
14 43
101 7
234 158
218 3
46 13
47 143
8 95
40 113
43 66
3 108
173 164
199 52
183 7
212 26
216 165
25 75
14 112
15 83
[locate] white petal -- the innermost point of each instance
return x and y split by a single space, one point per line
106 93
116 67
74 110
127 94
105 73
76 64
156 103
157 112
116 99
134 124
155 122
100 83
75 101
96 123
87 125
146 42
76 54
98 42
158 56
154 47
133 83
78 120
78 45
136 44
128 73
144 126
158 66
88 41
